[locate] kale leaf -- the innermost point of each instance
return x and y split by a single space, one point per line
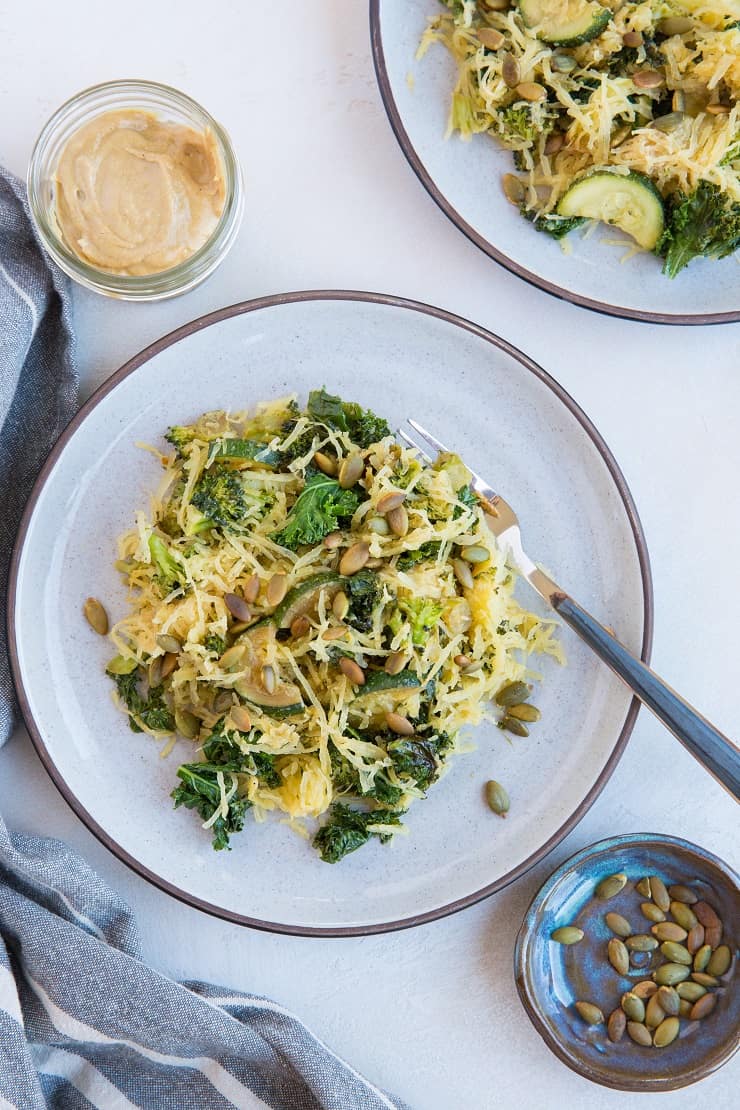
151 710
347 830
409 559
705 224
199 790
553 225
346 779
364 592
363 426
320 506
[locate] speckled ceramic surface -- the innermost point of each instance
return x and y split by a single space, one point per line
551 977
512 423
464 178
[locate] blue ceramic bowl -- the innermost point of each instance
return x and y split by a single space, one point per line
551 977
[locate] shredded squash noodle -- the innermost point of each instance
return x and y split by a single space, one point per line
646 90
320 613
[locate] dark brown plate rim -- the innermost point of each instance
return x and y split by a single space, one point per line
182 333
417 165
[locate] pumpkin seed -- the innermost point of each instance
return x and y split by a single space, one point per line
712 935
232 657
562 62
652 912
668 975
676 953
353 671
524 712
390 500
653 1012
513 188
269 679
351 471
340 605
706 915
632 38
510 71
618 924
462 661
643 888
669 122
299 627
690 992
531 90
169 662
476 554
641 943
610 886
354 558
511 724
704 979
120 665
333 541
277 588
96 616
674 25
684 1008
669 1000
553 143
703 1007
645 989
659 894
238 607
681 893
669 930
618 956
682 914
491 38
495 5
398 520
633 1006
498 800
154 672
168 643
648 79
187 724
395 662
241 719
251 589
591 1014
666 1032
639 1034
512 694
616 1025
401 725
566 934
223 701
463 573
378 525
337 633
695 939
326 464
720 961
702 957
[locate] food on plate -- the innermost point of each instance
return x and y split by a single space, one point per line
136 194
321 613
624 113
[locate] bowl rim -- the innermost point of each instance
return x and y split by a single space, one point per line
278 300
161 284
528 999
456 217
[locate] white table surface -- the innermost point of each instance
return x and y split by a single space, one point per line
432 1013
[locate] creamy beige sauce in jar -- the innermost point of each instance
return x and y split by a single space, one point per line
136 194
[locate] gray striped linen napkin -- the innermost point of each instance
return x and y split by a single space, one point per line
83 1022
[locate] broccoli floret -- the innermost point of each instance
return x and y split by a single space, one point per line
703 225
347 830
199 790
180 436
422 614
515 125
409 559
363 426
170 573
318 510
364 592
214 643
220 497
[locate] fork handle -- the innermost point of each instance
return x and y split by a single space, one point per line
706 743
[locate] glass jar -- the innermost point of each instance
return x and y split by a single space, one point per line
166 104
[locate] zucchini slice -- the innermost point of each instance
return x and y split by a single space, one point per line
565 22
627 201
304 597
379 682
285 698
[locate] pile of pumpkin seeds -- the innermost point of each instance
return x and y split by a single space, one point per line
512 698
687 933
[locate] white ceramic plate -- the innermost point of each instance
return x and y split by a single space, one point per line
464 178
510 421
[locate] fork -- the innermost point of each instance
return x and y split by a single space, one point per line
707 744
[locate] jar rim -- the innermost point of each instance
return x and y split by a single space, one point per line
164 283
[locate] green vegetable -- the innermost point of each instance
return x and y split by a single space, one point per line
304 597
363 426
220 497
214 643
627 201
180 436
422 614
416 759
170 572
346 778
380 682
565 22
347 830
151 710
554 225
319 508
364 592
409 559
468 500
246 449
219 749
516 124
703 225
199 791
